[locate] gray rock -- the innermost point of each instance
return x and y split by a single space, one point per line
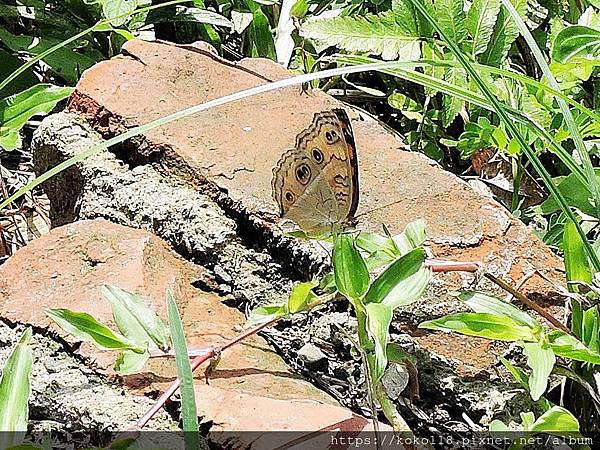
313 357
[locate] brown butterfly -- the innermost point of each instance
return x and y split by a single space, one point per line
315 184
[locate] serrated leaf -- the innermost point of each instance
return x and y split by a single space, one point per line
484 325
481 19
87 328
385 34
576 42
114 10
505 33
17 109
541 359
452 105
350 270
379 317
14 392
392 277
451 18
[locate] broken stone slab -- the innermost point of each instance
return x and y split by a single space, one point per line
221 159
142 198
67 268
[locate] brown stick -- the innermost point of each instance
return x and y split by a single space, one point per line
532 305
196 362
439 265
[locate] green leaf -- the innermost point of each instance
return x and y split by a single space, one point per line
397 354
385 34
85 327
576 262
517 373
485 325
481 18
300 296
575 192
379 317
591 329
129 362
557 420
373 242
68 62
505 33
541 359
134 319
412 237
576 42
390 278
264 314
409 290
564 344
484 303
112 9
451 17
17 109
14 392
452 105
9 64
351 273
184 373
260 33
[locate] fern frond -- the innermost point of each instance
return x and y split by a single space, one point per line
451 17
505 33
481 19
386 34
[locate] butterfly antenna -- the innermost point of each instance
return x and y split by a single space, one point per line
377 209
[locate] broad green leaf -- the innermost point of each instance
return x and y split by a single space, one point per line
134 319
591 329
409 290
452 105
576 262
565 345
129 362
385 34
373 242
540 359
186 14
85 327
379 317
517 373
577 194
14 392
485 325
262 38
393 275
112 9
300 296
505 33
576 42
189 412
481 18
67 62
484 303
451 17
265 314
351 274
8 66
397 354
557 420
412 237
406 105
241 20
17 109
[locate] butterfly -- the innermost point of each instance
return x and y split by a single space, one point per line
315 184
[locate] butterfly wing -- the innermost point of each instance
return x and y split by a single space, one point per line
316 183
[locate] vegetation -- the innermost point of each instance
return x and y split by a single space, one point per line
516 80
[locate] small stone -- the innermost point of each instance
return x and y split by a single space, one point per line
394 380
313 357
